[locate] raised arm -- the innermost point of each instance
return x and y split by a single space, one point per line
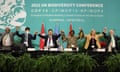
105 33
34 37
17 32
81 34
64 38
41 36
58 36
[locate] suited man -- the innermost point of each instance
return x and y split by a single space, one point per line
112 44
26 38
7 39
50 39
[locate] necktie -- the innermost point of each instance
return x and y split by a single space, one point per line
49 40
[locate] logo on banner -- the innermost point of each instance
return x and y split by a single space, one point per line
12 13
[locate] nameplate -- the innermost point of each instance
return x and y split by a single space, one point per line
68 49
53 49
31 49
100 50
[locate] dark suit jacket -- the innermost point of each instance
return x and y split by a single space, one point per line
54 38
108 38
30 38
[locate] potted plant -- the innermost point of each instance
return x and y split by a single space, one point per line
7 62
24 64
82 63
63 62
45 63
113 63
68 62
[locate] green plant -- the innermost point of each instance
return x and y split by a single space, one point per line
82 63
45 64
7 62
65 62
113 63
74 63
62 62
24 64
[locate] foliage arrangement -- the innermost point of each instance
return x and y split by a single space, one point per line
65 62
113 63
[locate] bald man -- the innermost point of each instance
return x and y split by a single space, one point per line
7 39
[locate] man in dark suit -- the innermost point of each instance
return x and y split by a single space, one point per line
112 44
26 38
50 39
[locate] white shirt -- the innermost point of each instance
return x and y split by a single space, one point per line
113 41
112 44
6 40
26 39
50 42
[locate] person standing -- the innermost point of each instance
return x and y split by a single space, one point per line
71 39
26 38
92 40
50 39
112 44
7 39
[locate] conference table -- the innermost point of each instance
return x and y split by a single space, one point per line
55 51
98 54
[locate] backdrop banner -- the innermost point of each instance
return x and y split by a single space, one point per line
85 14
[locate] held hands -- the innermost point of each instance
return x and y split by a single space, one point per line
105 29
36 33
81 34
62 35
17 28
62 32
